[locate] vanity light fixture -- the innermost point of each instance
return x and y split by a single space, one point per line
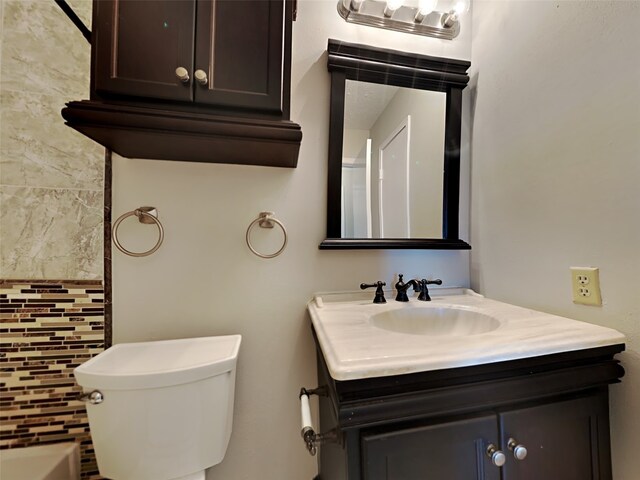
419 17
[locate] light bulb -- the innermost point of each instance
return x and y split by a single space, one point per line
425 7
461 6
392 6
450 19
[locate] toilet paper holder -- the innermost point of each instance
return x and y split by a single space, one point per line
309 435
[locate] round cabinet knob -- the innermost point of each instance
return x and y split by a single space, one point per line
201 77
519 451
497 457
182 74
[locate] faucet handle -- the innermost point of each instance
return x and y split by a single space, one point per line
424 290
379 298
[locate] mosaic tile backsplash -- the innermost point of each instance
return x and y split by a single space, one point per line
47 328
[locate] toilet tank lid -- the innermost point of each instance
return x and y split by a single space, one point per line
134 366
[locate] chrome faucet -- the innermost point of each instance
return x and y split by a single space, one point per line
402 288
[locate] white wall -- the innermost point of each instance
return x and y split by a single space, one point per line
204 280
556 169
354 145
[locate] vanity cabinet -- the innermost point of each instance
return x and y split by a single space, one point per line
439 425
195 80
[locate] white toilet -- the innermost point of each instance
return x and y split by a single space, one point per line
161 410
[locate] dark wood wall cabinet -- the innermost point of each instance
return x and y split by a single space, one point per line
194 80
539 418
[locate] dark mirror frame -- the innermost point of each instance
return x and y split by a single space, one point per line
348 61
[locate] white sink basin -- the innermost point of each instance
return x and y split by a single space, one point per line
435 322
458 328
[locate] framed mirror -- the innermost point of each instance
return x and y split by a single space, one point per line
394 149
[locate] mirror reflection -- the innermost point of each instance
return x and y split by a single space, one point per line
392 162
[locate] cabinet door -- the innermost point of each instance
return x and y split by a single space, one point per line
452 451
565 441
239 44
139 44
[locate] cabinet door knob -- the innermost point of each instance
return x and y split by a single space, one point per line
201 77
519 450
497 457
182 74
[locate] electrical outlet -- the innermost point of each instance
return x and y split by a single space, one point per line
586 285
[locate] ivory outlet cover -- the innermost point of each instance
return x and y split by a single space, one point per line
585 283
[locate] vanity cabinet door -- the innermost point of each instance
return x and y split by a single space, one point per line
567 440
139 44
453 451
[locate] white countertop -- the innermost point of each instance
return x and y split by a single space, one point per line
354 349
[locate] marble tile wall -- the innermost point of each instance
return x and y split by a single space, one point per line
51 177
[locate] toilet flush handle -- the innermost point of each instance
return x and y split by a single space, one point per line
94 398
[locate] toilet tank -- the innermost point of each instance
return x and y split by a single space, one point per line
167 407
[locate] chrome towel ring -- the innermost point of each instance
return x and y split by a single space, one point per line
266 220
147 215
